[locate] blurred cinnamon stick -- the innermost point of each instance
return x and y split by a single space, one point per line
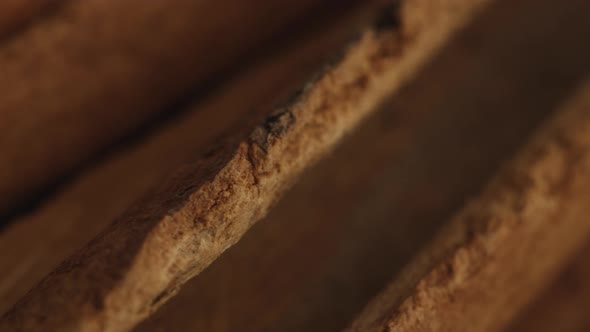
15 14
497 253
77 213
78 79
209 206
563 305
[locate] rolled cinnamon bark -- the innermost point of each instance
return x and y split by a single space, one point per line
80 78
147 254
498 252
355 221
78 212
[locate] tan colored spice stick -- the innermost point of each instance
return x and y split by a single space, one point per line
142 259
80 78
78 212
498 252
336 239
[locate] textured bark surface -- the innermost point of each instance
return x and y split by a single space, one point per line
140 261
536 207
353 222
76 80
409 121
79 211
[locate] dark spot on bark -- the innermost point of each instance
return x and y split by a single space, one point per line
444 274
160 297
258 137
335 59
390 18
98 302
517 182
362 81
276 124
279 123
388 316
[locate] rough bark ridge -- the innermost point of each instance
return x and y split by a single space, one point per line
138 262
76 214
536 207
77 80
